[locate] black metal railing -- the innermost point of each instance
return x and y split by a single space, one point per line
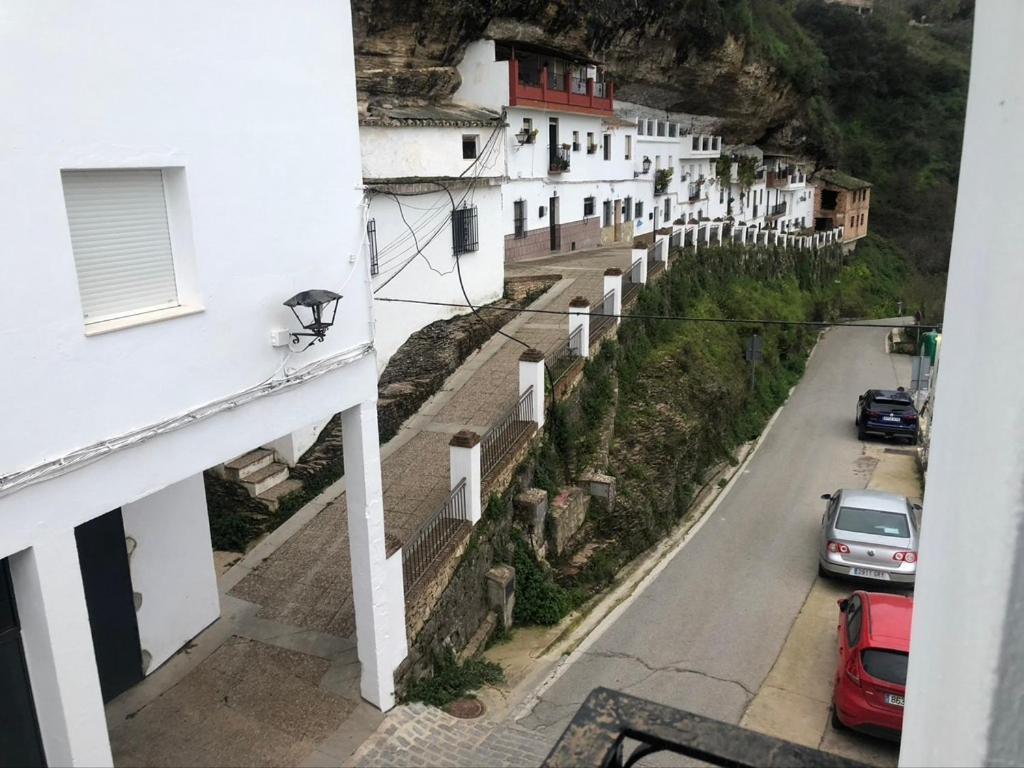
631 282
500 439
560 160
694 190
601 315
615 730
431 538
778 209
562 357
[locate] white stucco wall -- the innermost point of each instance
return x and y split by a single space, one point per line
484 80
410 277
407 151
537 193
964 703
221 102
172 571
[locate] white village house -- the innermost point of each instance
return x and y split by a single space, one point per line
434 213
161 202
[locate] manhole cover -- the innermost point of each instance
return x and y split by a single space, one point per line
466 708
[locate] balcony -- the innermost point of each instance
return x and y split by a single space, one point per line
560 159
779 209
694 190
662 178
546 89
786 178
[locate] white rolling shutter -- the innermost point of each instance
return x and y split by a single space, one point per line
121 242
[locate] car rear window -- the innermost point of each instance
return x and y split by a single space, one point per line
873 521
904 402
888 666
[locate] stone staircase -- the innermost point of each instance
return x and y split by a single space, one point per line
262 475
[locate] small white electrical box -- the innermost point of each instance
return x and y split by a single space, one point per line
280 337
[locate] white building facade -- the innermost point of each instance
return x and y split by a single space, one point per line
164 200
434 215
570 161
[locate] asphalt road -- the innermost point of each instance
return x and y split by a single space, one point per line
705 633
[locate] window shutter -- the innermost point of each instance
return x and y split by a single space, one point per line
121 241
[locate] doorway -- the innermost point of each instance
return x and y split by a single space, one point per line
618 220
20 743
107 581
554 230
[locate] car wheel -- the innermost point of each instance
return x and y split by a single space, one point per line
861 434
838 724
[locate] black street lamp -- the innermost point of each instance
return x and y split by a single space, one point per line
646 164
317 301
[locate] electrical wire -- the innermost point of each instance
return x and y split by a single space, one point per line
684 318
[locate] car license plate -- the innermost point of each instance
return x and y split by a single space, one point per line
892 698
868 573
891 419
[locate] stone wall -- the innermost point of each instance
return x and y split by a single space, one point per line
575 236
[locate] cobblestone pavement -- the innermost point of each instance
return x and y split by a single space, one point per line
418 735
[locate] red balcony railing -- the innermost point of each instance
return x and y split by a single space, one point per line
564 91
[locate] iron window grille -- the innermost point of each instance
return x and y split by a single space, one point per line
371 244
639 209
588 206
607 213
519 211
464 231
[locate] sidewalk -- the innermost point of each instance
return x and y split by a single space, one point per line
275 681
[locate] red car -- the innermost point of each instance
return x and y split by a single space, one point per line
874 642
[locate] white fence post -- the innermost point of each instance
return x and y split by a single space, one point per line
531 374
640 253
613 282
579 317
464 464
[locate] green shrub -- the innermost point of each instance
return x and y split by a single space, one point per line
452 680
539 600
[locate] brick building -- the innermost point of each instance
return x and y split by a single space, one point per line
841 200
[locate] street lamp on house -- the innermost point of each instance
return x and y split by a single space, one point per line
316 303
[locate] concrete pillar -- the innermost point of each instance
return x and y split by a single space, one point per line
579 317
464 464
640 253
377 588
664 247
531 374
613 282
58 652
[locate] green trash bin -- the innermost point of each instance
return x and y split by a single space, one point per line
930 345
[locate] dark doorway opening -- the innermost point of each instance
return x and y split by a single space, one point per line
20 743
553 227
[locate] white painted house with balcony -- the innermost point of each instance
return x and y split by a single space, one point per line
790 195
434 220
570 181
161 202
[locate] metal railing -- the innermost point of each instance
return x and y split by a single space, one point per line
601 315
778 209
631 282
505 435
615 730
431 538
654 268
560 359
560 159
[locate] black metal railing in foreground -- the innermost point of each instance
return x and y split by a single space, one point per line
631 282
615 730
601 315
431 538
506 433
560 359
653 268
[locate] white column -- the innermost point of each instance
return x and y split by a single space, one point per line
968 619
464 464
640 253
613 282
377 588
579 317
58 652
531 374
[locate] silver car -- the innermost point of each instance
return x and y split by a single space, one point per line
870 535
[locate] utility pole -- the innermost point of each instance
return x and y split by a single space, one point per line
755 347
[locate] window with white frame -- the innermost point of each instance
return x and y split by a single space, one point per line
606 211
639 211
469 146
121 241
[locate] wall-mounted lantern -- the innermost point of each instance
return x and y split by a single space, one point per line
316 303
646 164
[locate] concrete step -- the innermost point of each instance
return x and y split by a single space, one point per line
248 464
272 496
265 478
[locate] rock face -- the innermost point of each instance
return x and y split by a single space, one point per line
408 52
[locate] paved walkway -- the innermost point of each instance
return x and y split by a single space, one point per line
275 681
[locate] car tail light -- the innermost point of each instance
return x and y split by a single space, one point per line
905 557
874 415
838 546
910 419
852 672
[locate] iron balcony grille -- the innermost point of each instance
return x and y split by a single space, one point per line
431 538
778 209
601 315
503 437
615 730
371 244
560 159
520 219
560 359
464 231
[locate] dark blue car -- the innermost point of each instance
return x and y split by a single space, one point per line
887 412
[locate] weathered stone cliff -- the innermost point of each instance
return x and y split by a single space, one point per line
408 51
